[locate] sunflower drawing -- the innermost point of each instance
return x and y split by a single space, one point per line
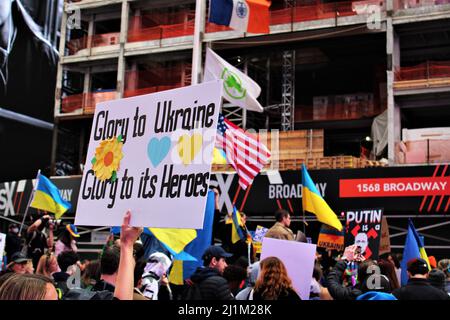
107 159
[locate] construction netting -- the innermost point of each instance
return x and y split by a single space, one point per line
85 102
157 78
163 25
97 40
426 70
309 12
156 26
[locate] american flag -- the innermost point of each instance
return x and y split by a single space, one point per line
244 152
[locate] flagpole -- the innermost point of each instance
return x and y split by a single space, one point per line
29 202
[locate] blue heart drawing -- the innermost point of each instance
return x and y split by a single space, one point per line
157 150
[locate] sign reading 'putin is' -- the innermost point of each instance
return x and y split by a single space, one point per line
151 154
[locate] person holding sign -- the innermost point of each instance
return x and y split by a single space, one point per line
354 261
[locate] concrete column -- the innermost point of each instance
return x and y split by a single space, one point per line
393 62
59 74
199 30
123 40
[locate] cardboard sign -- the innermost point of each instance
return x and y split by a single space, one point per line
151 154
298 257
385 242
330 238
363 228
260 232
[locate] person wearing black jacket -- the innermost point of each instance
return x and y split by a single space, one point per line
13 241
208 280
335 287
418 286
65 261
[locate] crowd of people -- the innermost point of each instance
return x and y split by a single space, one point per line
42 269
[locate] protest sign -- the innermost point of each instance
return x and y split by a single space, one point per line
330 238
2 248
260 232
298 257
385 242
363 228
151 154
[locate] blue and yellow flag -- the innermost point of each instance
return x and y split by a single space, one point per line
414 248
313 202
236 231
175 240
48 198
183 268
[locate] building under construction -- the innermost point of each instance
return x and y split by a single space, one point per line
357 89
326 69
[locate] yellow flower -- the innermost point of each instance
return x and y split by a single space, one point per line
107 158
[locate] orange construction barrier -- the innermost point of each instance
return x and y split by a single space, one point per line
71 103
157 26
85 101
426 70
98 40
91 99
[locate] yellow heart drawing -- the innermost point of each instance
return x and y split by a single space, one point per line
189 146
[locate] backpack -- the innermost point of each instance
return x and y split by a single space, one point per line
192 292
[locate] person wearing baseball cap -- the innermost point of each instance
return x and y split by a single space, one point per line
418 286
18 263
207 282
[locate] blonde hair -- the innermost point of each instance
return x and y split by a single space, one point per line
444 265
44 264
24 287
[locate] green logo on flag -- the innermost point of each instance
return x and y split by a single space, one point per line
233 84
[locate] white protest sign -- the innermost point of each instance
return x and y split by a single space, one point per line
298 258
151 154
2 247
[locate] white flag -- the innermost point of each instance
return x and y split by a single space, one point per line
239 89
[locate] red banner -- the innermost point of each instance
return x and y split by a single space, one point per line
394 187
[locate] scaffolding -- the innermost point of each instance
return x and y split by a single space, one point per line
288 89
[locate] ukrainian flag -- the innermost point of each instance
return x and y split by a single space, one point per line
183 268
48 198
313 202
414 248
236 231
175 240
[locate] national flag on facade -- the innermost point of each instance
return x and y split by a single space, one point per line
313 202
238 88
414 248
243 15
47 197
244 152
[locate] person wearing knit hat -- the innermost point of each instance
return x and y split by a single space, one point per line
437 279
66 240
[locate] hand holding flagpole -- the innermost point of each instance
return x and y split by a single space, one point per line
29 202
